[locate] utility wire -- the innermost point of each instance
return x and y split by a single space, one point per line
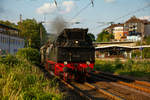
81 10
137 10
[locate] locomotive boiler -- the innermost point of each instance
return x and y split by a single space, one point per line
71 55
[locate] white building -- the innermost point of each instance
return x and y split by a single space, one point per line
10 41
134 38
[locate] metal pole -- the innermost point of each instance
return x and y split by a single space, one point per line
141 45
40 34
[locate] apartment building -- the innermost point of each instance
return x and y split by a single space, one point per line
133 29
10 40
137 28
120 32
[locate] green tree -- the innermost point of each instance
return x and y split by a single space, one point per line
104 36
91 36
31 29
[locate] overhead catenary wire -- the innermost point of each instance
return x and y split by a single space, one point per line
92 2
137 10
81 10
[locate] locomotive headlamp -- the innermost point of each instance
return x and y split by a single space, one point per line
87 62
65 63
76 41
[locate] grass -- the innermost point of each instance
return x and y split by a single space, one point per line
20 80
130 67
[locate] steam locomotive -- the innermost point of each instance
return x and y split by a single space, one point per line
70 56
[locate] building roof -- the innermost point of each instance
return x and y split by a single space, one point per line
3 25
114 42
136 20
114 25
11 28
131 47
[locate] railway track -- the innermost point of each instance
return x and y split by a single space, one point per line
102 91
90 92
126 90
95 91
125 79
139 85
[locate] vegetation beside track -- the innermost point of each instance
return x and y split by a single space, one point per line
20 79
130 67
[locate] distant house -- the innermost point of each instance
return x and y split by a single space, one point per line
120 32
137 28
10 40
133 29
110 29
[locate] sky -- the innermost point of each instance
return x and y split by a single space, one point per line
94 17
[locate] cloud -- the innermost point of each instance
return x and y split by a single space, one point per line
109 1
46 8
68 6
145 17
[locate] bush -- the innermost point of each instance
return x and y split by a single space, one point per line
133 68
30 54
136 54
118 64
146 53
24 81
9 60
103 66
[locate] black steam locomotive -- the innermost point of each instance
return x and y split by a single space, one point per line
70 56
